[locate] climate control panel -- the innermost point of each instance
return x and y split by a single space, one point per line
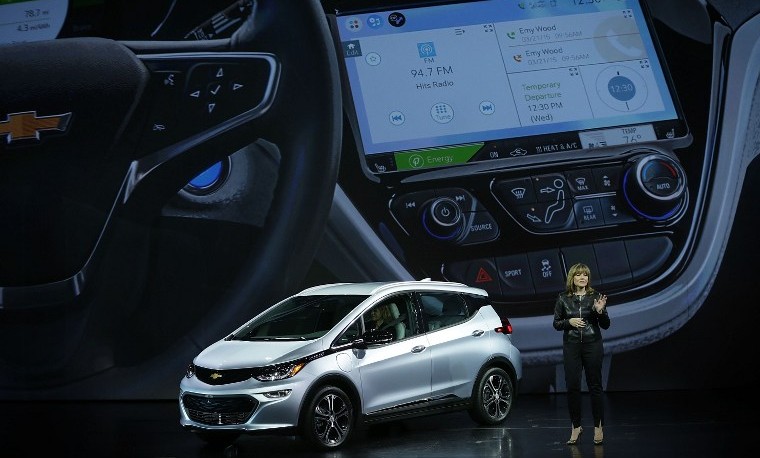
525 224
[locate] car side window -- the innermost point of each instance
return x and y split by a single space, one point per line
394 314
443 309
352 332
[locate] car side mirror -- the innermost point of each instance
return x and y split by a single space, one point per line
356 343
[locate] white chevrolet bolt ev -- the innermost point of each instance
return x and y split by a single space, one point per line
333 357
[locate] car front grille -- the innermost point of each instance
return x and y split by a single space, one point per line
222 377
219 410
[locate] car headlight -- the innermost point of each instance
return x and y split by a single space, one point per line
190 371
279 371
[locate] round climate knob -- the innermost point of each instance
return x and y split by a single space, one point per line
654 187
442 219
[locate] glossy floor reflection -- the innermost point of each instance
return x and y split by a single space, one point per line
641 424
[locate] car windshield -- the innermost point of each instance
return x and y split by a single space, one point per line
299 318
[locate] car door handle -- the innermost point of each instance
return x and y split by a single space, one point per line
478 332
418 348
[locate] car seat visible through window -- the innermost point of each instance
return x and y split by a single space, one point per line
453 311
399 329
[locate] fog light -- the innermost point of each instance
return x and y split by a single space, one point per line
278 394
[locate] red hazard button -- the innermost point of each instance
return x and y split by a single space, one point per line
480 273
483 276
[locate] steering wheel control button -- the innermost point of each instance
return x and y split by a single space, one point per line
515 276
480 273
546 270
654 187
162 128
514 192
217 91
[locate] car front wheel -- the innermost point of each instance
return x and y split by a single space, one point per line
492 397
328 419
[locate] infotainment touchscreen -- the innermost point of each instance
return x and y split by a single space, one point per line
448 84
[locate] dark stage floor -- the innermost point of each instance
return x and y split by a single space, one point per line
641 424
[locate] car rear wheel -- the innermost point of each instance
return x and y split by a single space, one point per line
492 397
328 420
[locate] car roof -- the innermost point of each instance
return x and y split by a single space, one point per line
374 288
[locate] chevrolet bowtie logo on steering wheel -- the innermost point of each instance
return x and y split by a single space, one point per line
27 125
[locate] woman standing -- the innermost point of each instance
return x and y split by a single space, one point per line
580 312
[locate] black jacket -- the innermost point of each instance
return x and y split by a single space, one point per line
569 306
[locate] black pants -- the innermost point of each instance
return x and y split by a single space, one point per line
580 357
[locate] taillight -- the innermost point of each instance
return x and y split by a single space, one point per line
505 328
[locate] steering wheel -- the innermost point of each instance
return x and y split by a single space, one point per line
156 195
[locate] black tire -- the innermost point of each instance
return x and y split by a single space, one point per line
492 397
328 418
217 439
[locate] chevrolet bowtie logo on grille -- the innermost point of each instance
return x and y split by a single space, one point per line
27 125
215 375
